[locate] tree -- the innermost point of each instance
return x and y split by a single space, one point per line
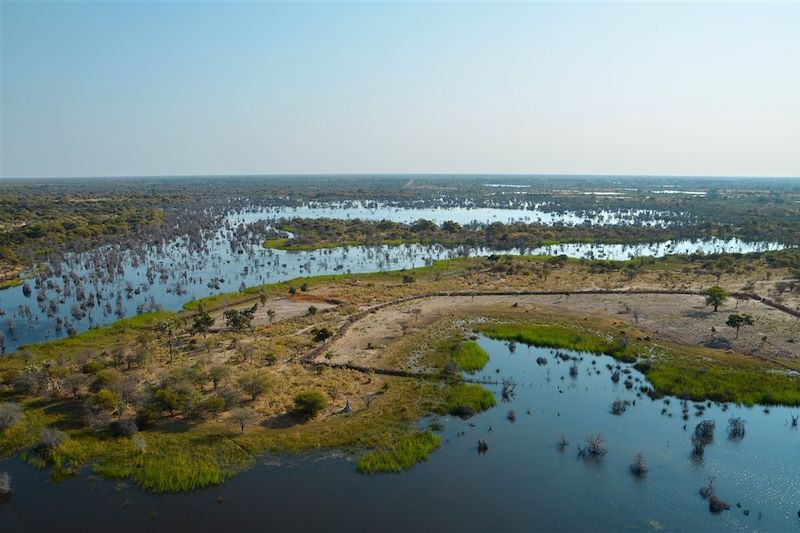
10 414
308 404
167 329
716 296
271 315
218 374
253 383
237 320
243 416
321 334
167 399
106 400
74 383
202 321
736 321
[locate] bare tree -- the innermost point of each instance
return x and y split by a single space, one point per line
243 416
595 446
10 414
639 465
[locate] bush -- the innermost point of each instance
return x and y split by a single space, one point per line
123 428
214 404
321 334
10 414
309 404
253 383
106 400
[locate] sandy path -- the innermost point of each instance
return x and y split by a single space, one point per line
682 319
284 308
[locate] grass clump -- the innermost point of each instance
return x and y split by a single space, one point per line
469 356
465 399
554 336
402 455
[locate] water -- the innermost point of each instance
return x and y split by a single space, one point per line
168 276
530 213
524 481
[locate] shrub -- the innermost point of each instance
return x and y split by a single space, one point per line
106 400
123 428
10 414
214 404
321 334
309 404
253 383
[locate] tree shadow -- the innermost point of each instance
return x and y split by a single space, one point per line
719 343
282 421
698 313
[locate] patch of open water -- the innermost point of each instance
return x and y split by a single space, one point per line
524 482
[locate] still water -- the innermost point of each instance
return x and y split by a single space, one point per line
525 481
121 284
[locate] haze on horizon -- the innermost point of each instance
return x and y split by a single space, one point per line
92 89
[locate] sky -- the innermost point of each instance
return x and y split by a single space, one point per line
134 89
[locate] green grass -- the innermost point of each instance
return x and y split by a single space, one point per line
7 284
471 395
185 456
94 339
692 373
555 336
469 356
724 377
402 455
276 243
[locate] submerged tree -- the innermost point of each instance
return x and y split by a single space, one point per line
639 465
595 446
736 428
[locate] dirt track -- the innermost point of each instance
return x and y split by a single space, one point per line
679 318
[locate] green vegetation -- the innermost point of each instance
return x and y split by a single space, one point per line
190 392
402 455
716 296
713 375
8 283
466 399
692 373
309 404
557 336
469 356
736 321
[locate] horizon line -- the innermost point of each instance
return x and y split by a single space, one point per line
404 174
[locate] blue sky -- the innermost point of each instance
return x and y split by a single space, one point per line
188 88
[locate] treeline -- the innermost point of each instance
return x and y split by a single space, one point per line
311 233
